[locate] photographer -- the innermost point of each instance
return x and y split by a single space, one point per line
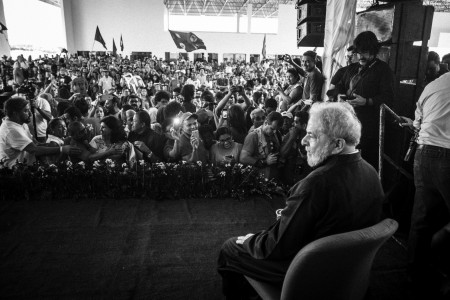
16 141
293 93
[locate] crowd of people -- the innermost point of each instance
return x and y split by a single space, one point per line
270 115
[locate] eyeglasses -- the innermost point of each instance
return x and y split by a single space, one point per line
225 140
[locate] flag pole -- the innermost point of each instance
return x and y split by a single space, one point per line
92 49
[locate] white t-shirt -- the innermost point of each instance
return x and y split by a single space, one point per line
152 111
41 123
106 83
13 139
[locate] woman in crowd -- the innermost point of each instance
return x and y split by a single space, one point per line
188 93
225 150
111 143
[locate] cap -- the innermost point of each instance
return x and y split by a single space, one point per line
287 114
187 116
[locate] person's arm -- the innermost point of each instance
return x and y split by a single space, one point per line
247 103
298 68
223 102
293 97
287 144
110 152
316 84
47 115
43 150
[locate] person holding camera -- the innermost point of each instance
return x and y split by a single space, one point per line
17 143
262 146
188 146
225 150
293 93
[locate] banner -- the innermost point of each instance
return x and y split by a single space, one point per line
99 38
187 41
339 34
121 43
114 48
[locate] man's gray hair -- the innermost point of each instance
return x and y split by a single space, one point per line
337 120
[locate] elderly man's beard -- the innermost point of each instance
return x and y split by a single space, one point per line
319 155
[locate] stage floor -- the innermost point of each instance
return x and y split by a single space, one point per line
138 248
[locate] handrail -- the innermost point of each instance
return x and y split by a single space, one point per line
381 155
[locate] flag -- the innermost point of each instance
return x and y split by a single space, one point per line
2 27
114 47
264 47
187 41
121 43
99 38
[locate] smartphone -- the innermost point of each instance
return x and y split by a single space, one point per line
224 114
195 134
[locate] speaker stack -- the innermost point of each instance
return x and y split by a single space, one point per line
311 22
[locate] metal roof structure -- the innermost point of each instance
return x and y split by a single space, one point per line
261 8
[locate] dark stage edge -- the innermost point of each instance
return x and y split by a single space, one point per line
141 249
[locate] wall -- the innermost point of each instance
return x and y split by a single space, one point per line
142 25
4 44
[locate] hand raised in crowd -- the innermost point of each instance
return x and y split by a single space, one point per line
195 142
287 58
272 159
308 101
176 134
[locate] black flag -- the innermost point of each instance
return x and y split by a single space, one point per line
2 27
99 38
114 47
121 43
187 41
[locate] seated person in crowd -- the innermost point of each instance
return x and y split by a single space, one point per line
110 144
188 145
342 194
262 146
150 143
16 142
225 150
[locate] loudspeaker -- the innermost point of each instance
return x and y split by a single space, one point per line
310 23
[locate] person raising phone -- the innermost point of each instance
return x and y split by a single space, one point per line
188 145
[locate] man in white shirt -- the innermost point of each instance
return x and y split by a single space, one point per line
430 222
16 141
106 82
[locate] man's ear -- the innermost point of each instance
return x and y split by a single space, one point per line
338 146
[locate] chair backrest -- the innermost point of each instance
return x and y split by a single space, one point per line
336 266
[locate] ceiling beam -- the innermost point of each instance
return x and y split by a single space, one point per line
254 12
220 12
205 6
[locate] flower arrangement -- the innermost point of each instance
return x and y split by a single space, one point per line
109 179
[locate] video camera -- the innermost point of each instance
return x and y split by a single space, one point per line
27 88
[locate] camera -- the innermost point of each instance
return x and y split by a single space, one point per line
28 89
345 98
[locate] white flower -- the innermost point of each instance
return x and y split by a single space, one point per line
82 164
96 164
141 162
69 163
199 163
222 174
52 166
124 165
108 161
